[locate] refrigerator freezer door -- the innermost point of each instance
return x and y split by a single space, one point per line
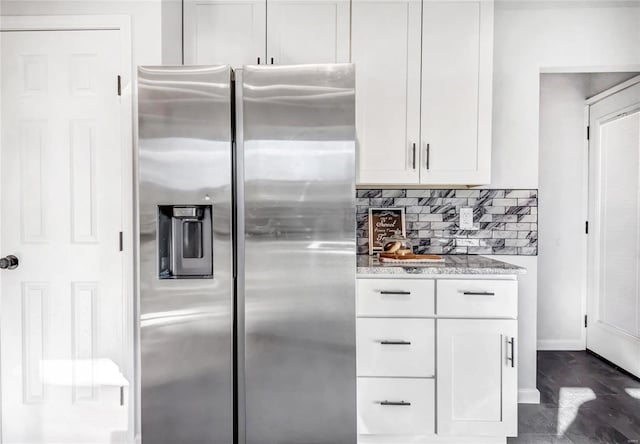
186 325
298 298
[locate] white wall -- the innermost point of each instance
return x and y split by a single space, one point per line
563 206
531 37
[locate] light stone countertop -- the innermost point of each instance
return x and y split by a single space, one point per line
453 264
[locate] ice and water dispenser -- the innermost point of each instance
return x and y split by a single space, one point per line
185 248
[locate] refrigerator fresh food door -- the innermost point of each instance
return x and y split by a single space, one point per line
185 255
296 140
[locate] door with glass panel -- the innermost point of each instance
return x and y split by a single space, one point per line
613 304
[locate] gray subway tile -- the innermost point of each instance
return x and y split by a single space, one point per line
495 210
405 201
467 242
480 234
518 226
468 193
529 202
369 193
492 242
505 234
505 202
505 250
418 193
455 201
381 202
442 225
492 193
505 218
516 242
517 193
530 218
430 201
430 217
394 193
528 251
479 250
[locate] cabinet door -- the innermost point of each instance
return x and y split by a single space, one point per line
224 32
385 47
477 377
457 65
307 31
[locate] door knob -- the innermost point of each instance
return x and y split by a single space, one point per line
10 262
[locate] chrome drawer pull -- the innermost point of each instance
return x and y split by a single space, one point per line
401 403
395 343
394 292
479 293
512 358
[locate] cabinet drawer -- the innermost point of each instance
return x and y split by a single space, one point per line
396 347
395 297
396 406
478 298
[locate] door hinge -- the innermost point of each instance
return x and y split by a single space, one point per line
121 241
586 227
119 85
585 321
588 132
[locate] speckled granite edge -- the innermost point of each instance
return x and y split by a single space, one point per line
452 265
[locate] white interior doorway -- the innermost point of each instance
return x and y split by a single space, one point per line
66 184
613 301
562 244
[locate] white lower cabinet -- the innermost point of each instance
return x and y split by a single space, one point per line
477 377
393 406
396 347
436 359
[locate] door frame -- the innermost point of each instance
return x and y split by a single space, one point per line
122 24
593 235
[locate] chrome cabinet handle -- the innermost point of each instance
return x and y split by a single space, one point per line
9 263
478 293
395 343
394 292
512 357
413 145
400 403
428 156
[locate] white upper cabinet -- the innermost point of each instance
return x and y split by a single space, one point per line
385 47
307 31
224 32
477 386
242 32
457 66
424 73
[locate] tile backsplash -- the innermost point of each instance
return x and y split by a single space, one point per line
505 220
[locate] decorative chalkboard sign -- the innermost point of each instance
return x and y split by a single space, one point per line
383 223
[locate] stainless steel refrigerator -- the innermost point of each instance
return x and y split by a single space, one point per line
247 254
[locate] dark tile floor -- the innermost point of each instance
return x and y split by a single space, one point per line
582 400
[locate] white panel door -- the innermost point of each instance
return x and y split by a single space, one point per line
225 32
62 327
614 236
307 31
477 377
457 66
385 47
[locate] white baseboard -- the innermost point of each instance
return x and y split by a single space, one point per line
561 344
528 396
